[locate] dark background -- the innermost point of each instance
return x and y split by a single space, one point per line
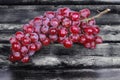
54 62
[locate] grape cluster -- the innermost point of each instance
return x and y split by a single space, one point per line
64 26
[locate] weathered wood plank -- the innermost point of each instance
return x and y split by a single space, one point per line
108 33
56 56
22 14
81 74
58 2
105 49
78 61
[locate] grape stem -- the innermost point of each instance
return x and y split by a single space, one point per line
98 15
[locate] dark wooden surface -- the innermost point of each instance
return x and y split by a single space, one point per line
83 74
58 2
54 62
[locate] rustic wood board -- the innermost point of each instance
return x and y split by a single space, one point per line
13 17
54 62
83 74
108 33
55 55
22 14
58 2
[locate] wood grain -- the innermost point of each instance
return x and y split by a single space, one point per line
58 2
22 14
56 56
108 33
79 74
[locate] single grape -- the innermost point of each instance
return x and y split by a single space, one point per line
19 35
54 22
28 28
87 45
46 42
64 11
98 40
16 46
91 22
49 14
24 50
46 21
85 13
37 21
66 22
32 47
96 29
67 43
53 38
26 40
52 31
82 39
75 29
13 40
44 29
17 56
75 16
42 37
88 30
39 45
74 37
62 32
25 59
11 58
34 37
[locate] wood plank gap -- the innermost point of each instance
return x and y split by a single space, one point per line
20 2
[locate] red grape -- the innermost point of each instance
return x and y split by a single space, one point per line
50 14
34 37
17 56
19 35
74 29
25 59
85 13
24 50
74 37
66 22
26 41
37 21
44 29
42 37
52 31
67 43
54 22
98 40
16 46
75 16
53 37
46 42
62 32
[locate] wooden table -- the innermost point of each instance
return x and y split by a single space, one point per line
54 62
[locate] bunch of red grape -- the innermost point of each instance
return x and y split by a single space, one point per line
64 26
